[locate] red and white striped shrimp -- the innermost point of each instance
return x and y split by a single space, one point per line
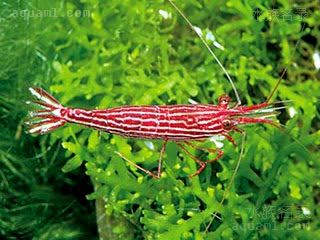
179 123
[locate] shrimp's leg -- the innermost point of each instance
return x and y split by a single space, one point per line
202 163
158 175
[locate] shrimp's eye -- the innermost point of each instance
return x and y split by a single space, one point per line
224 100
227 125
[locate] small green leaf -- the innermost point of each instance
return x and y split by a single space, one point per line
93 140
295 191
69 146
72 164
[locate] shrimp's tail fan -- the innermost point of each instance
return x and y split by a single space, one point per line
48 117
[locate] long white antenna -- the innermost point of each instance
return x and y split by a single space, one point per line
210 50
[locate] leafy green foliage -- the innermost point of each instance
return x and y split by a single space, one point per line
126 53
35 197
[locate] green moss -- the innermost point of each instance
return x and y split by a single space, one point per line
128 54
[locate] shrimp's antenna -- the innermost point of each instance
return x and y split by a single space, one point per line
286 68
209 49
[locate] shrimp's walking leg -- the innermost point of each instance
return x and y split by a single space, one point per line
158 175
202 163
